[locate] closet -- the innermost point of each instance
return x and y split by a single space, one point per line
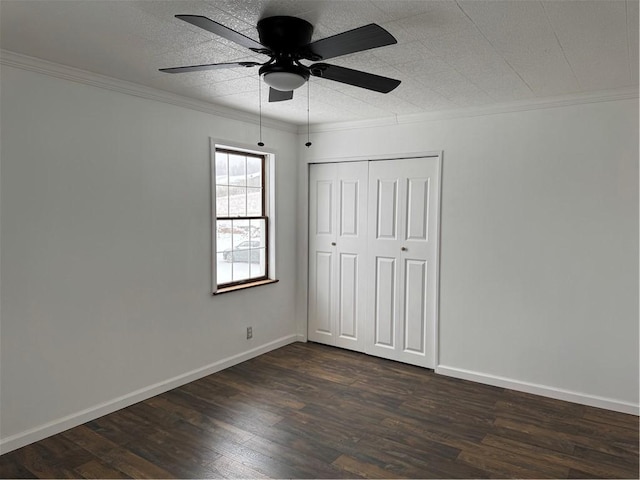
373 254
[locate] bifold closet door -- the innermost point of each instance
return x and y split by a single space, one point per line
337 247
402 257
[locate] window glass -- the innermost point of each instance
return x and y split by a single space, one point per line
237 170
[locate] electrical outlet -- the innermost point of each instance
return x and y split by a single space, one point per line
249 332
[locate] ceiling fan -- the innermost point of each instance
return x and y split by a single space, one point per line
287 40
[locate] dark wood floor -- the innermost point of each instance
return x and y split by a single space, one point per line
310 411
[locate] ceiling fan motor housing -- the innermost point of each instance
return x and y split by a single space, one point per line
284 35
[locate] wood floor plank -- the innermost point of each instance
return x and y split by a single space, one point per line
225 467
182 442
200 420
364 469
251 386
37 460
554 461
420 459
565 418
499 467
114 455
528 456
304 446
302 463
11 468
330 431
309 411
452 435
606 417
255 460
450 412
229 430
156 445
567 434
548 441
232 405
97 469
616 464
580 474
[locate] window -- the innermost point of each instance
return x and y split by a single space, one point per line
241 225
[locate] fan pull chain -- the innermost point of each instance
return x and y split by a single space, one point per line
260 143
308 144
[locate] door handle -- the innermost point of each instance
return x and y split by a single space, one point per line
404 249
333 244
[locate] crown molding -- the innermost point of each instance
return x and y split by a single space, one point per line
129 88
626 93
77 75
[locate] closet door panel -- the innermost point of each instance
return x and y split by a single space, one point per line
337 250
321 301
415 311
324 208
384 316
386 208
421 178
402 232
349 213
417 209
322 261
348 297
385 226
351 247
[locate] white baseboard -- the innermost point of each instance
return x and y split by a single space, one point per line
60 425
543 390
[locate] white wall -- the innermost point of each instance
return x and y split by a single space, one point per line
105 248
105 207
539 245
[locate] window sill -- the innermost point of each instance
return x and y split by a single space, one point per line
244 286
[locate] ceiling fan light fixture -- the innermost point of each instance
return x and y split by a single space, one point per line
284 81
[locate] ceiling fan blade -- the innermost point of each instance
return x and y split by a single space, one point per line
210 66
224 32
356 40
354 77
279 96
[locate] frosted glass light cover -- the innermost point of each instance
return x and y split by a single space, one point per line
284 81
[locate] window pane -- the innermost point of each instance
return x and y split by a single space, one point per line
222 175
237 202
240 232
241 250
258 243
224 230
222 201
254 172
258 232
241 272
258 263
223 247
237 170
223 270
254 202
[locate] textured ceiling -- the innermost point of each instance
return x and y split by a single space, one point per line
450 53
